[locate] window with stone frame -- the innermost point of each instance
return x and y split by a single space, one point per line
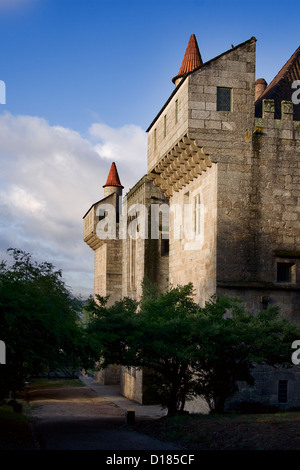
101 214
282 391
132 263
197 214
285 272
224 99
176 111
165 125
164 246
164 235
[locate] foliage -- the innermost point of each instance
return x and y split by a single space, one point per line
232 341
189 350
166 344
39 320
111 331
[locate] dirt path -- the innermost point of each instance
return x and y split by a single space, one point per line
75 418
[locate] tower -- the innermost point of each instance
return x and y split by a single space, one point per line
101 234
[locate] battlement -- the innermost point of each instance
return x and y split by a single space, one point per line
284 128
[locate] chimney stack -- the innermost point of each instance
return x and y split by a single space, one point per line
260 86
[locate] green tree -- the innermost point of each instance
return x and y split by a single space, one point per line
167 346
189 350
155 334
232 342
111 331
39 320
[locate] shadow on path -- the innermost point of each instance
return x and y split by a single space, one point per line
82 418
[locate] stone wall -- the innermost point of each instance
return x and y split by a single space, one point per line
274 199
108 376
169 126
192 254
226 137
266 389
228 247
100 264
131 384
147 252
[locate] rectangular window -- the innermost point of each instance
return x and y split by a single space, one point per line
284 272
224 99
176 111
164 246
132 262
154 138
197 214
165 125
282 391
101 214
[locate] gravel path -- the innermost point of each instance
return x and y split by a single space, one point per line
76 418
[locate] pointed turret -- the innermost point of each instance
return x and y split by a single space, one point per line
191 60
113 184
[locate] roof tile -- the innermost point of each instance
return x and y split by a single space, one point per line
113 177
191 60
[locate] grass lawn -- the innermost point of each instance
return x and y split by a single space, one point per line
42 383
15 432
270 431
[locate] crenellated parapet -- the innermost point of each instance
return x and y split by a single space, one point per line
284 128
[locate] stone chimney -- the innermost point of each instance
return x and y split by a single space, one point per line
260 86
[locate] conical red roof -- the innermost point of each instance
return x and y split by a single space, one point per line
113 177
191 60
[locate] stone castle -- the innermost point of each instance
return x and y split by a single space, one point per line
219 205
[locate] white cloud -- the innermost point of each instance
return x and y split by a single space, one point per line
49 177
20 199
126 145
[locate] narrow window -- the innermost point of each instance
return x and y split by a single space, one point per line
224 99
101 214
132 263
164 236
176 111
165 125
155 138
164 246
282 391
284 272
197 214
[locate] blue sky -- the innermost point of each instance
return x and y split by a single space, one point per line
84 79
